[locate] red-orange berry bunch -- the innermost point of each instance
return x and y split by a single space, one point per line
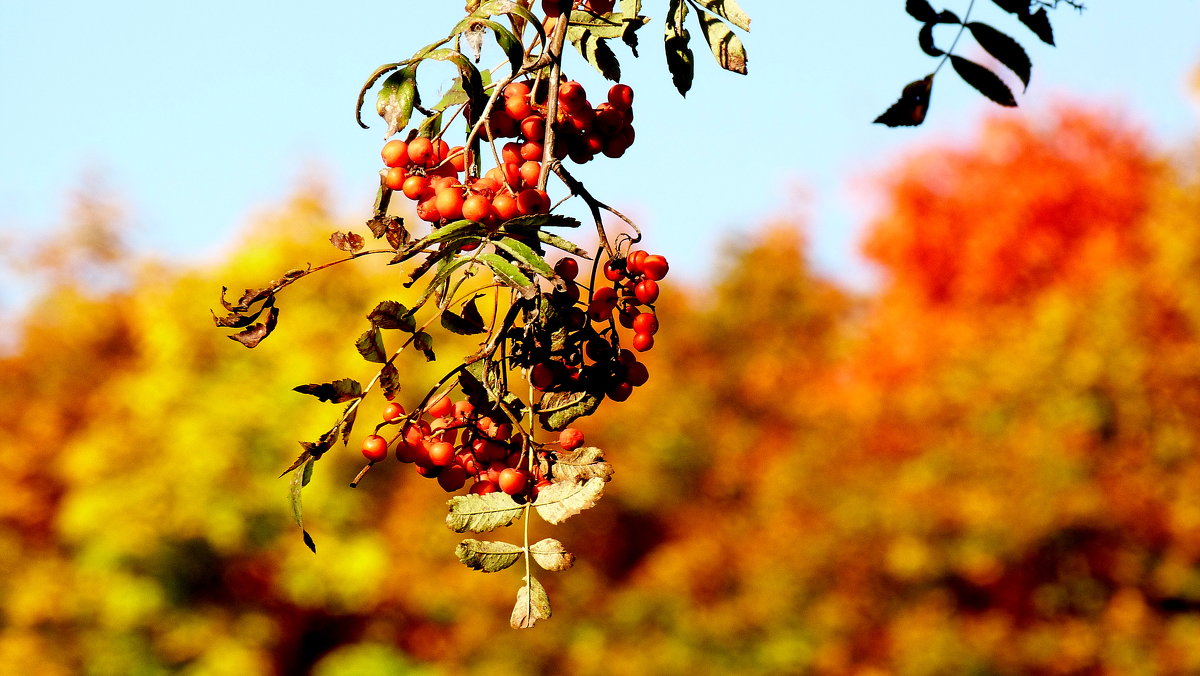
453 445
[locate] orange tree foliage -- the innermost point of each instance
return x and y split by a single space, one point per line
982 468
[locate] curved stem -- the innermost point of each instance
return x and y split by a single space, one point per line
962 27
556 47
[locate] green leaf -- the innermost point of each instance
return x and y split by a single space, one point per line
522 253
451 231
984 80
396 99
561 500
532 222
504 37
370 345
680 60
472 81
560 243
481 513
725 46
507 7
581 465
446 267
299 481
336 392
509 274
599 26
562 408
532 605
487 556
551 555
390 314
728 10
1005 49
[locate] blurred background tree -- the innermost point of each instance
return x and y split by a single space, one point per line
987 465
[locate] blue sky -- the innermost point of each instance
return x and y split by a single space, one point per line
197 114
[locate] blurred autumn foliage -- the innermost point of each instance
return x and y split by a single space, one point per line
990 465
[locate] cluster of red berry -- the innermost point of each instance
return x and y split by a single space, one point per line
593 359
427 171
454 444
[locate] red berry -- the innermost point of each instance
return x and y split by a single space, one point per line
633 263
621 96
392 411
415 187
452 478
395 177
532 201
613 273
395 153
542 376
449 203
504 206
516 89
441 453
646 322
421 151
374 448
646 291
482 487
636 374
570 439
476 208
441 408
530 172
534 127
531 150
620 391
513 481
655 267
642 341
567 268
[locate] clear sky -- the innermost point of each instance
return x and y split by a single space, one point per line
196 114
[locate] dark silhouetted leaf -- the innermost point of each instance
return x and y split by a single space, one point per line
308 541
1039 23
563 499
389 380
1018 7
469 323
925 40
920 10
726 47
581 464
595 50
532 605
983 80
487 556
338 391
370 345
1005 49
560 409
392 315
910 110
552 555
349 416
946 16
253 335
680 60
347 241
481 513
424 342
396 99
235 320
